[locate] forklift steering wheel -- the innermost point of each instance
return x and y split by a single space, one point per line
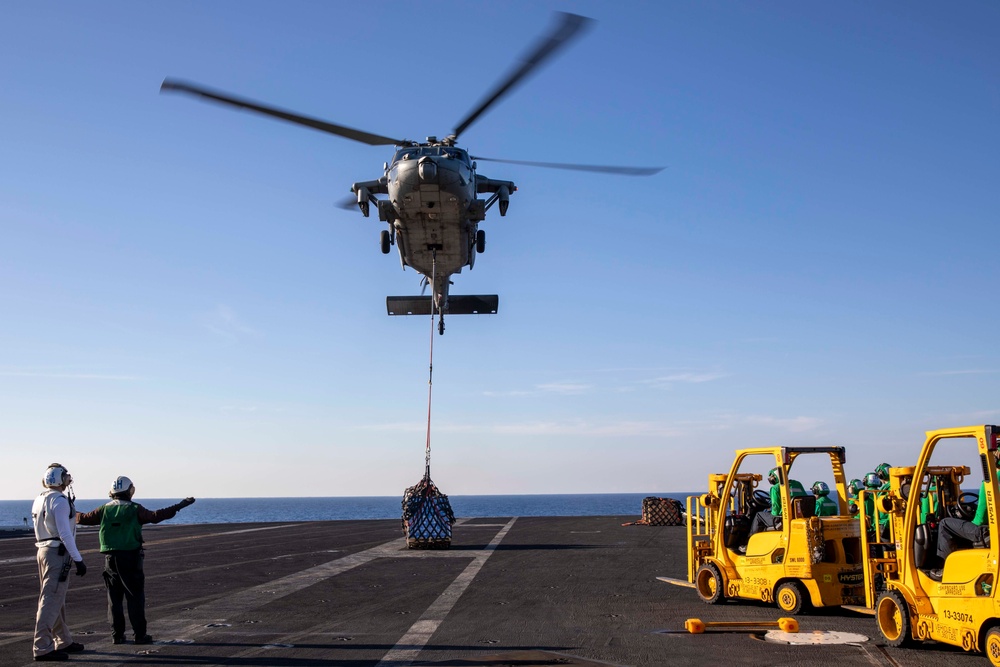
761 500
967 504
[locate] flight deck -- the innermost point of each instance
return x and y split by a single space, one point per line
524 591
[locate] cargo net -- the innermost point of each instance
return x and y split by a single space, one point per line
427 516
659 512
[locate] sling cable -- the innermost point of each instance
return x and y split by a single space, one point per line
427 514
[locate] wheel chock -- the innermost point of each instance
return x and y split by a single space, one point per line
697 626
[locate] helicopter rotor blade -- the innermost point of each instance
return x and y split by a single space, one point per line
349 203
172 85
569 26
604 169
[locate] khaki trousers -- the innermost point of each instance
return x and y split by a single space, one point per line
51 629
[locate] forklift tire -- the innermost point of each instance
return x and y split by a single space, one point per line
991 647
709 584
792 597
892 615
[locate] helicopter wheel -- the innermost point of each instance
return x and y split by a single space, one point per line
386 241
480 241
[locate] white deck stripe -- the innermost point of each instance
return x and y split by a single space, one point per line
191 623
26 559
409 646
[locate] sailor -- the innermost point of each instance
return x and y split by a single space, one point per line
766 519
873 483
825 506
882 470
55 534
855 487
955 534
121 523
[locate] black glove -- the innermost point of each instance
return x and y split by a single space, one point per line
81 568
184 503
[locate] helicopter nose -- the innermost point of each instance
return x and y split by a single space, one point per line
427 169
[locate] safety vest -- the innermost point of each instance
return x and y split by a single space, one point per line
798 491
120 527
826 507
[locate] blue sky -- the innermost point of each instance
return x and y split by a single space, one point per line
183 303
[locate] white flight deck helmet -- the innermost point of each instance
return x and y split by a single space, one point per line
122 486
55 476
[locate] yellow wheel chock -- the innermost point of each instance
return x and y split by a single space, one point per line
697 626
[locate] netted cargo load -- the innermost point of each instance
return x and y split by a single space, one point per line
427 516
660 512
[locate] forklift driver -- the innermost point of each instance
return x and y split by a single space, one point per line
771 519
955 534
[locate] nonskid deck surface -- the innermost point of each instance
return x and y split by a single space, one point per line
511 591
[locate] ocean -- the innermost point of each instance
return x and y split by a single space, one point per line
254 510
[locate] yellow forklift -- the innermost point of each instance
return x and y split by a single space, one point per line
744 542
931 572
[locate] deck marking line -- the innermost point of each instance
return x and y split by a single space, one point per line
192 623
409 646
32 559
876 655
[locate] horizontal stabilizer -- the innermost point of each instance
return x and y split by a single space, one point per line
466 304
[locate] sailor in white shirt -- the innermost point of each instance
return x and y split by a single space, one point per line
55 531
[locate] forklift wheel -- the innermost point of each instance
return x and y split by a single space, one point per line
709 584
992 646
893 617
792 597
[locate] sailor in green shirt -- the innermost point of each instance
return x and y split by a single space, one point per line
928 501
853 489
873 485
825 506
767 518
120 534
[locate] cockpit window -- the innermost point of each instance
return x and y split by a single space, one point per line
436 151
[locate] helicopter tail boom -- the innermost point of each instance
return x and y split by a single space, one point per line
464 304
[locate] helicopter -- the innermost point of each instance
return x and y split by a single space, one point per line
433 209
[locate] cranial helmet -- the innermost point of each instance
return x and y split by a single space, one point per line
820 489
855 487
882 470
122 486
55 476
872 480
774 476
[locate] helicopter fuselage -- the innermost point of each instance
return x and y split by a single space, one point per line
433 210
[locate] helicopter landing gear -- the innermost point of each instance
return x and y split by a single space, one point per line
386 241
480 241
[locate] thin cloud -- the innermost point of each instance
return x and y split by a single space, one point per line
792 424
571 388
616 429
975 371
224 322
565 387
512 392
684 378
69 376
421 427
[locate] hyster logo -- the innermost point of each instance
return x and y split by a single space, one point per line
850 577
